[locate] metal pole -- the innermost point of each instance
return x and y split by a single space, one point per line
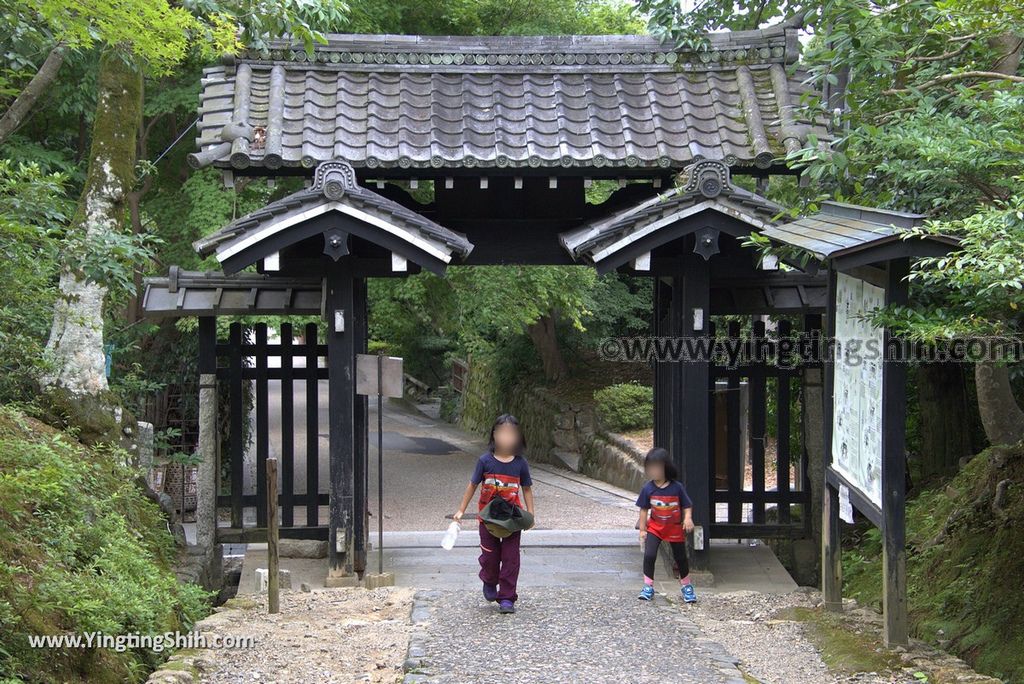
380 464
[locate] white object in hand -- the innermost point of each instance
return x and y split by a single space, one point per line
450 536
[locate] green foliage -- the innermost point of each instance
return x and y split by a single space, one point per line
933 124
626 406
965 558
493 17
81 549
151 30
33 209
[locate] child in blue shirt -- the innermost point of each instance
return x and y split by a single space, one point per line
665 515
501 471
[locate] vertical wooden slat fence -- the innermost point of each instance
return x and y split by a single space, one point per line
245 357
748 501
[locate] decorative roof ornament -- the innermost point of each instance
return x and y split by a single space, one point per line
334 178
709 177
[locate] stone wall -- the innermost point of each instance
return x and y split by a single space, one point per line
558 432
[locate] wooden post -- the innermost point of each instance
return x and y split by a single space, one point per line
690 317
360 440
340 361
236 443
831 551
312 427
662 393
273 564
894 419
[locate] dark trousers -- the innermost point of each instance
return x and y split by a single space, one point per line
499 562
651 544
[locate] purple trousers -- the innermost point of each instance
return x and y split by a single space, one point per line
499 562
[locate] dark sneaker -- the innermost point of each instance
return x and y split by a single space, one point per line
506 607
647 593
491 592
689 595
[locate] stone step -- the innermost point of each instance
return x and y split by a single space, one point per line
570 459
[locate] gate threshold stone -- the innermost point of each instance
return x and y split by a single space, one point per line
469 538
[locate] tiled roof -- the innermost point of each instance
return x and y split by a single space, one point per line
841 228
447 102
351 194
708 183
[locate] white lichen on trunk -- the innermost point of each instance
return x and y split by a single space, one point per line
75 351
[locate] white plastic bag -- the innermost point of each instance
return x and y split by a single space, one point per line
448 543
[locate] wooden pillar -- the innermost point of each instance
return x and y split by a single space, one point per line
360 474
273 559
831 551
341 337
894 421
206 484
662 395
691 295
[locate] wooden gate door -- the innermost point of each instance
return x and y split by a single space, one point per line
275 393
759 486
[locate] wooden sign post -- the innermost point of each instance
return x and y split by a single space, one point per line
382 376
866 433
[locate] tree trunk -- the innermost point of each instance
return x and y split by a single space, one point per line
1009 47
22 105
945 417
545 340
1001 415
75 347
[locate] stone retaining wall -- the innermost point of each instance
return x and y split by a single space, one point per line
558 432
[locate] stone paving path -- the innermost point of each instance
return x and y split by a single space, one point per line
560 635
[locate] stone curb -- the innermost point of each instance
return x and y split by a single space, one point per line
184 667
723 661
417 658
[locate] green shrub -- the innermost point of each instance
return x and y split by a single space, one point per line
81 550
626 406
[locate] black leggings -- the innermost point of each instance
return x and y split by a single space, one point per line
651 544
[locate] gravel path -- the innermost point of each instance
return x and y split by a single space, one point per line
324 637
561 635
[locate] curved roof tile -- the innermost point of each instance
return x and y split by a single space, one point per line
529 101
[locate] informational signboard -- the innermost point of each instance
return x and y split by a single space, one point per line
857 399
390 375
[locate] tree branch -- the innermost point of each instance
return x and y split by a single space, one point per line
938 58
946 78
22 105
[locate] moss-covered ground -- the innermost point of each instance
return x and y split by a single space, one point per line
81 550
965 565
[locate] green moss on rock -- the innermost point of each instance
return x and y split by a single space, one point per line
965 562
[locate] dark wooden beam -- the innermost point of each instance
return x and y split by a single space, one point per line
831 550
341 337
894 485
258 535
360 473
312 426
890 250
692 396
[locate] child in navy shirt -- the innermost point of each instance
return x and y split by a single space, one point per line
665 515
503 471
